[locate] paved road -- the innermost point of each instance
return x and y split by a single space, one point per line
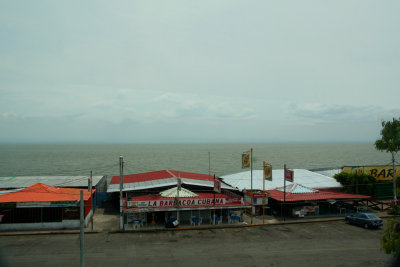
311 244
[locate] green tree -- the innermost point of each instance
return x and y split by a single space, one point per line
390 240
390 142
353 181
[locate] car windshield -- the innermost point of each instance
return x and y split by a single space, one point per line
372 216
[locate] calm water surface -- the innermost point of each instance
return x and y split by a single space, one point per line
102 159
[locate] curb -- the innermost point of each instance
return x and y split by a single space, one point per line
114 231
225 226
237 225
60 232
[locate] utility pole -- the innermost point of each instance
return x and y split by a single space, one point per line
121 186
209 163
82 232
214 191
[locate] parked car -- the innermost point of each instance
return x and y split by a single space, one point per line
365 219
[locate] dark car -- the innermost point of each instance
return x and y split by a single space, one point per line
365 219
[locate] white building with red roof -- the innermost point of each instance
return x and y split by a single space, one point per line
311 191
161 197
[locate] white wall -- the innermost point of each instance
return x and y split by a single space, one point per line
67 224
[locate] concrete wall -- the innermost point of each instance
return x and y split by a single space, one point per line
68 224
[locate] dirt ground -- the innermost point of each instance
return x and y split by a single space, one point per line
307 244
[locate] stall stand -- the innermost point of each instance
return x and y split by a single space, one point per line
156 210
300 201
258 198
176 199
42 206
304 211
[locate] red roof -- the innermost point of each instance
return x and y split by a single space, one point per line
319 195
44 193
158 175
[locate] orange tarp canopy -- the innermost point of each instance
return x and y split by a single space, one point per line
44 193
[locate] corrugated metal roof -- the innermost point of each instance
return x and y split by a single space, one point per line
330 172
320 195
162 182
296 189
163 174
59 181
142 185
173 192
43 193
9 191
307 178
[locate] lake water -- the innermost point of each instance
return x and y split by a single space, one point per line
225 158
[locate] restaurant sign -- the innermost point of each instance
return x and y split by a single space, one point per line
381 173
171 203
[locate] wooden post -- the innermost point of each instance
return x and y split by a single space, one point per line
251 178
263 193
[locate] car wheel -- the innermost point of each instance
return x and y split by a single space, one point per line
347 221
366 226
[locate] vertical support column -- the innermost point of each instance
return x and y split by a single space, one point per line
284 191
251 181
178 188
263 193
82 232
121 186
91 198
394 182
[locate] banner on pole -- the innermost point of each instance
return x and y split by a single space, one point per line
267 171
217 185
289 175
245 160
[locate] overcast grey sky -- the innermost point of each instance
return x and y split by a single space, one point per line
198 71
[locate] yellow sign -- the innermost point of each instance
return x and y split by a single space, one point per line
267 171
245 160
381 173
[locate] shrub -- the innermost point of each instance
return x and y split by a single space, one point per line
395 210
390 240
356 182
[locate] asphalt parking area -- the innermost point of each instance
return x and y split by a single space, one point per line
308 244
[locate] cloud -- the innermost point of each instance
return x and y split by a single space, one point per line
335 113
157 70
179 106
114 105
10 115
